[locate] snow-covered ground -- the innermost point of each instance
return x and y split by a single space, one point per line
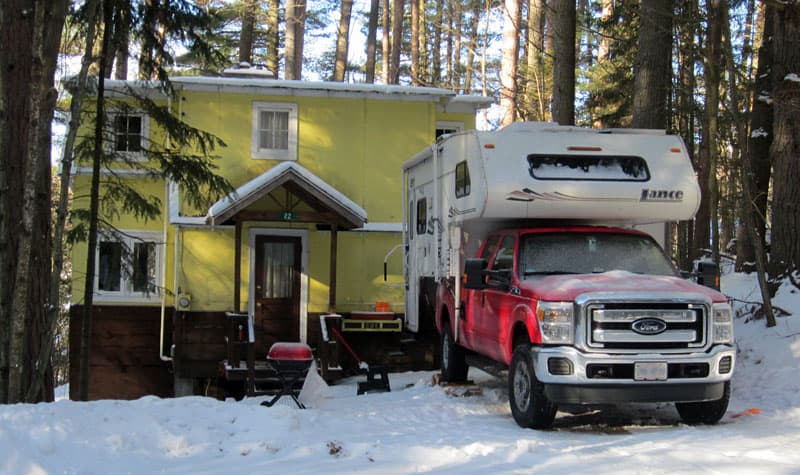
419 427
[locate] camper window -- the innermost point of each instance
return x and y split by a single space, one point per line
463 185
422 216
588 167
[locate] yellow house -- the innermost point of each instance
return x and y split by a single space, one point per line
317 208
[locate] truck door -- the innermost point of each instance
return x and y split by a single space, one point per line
474 299
491 324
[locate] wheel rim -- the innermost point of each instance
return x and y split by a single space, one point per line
522 387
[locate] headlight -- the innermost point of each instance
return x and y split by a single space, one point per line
556 322
722 323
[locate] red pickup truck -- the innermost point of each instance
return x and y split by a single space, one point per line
587 315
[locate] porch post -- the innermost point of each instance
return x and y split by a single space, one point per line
332 287
237 268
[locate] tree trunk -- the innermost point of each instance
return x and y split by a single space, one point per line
653 72
94 199
372 35
472 45
247 35
423 71
299 37
398 7
5 315
76 106
741 131
508 69
709 150
457 67
27 95
414 42
342 41
564 62
536 103
449 46
785 148
289 55
685 108
273 37
760 139
122 31
386 44
436 49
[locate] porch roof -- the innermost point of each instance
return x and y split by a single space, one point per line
312 189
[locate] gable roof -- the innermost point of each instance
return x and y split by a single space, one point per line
315 191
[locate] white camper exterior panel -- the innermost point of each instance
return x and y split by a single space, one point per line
667 191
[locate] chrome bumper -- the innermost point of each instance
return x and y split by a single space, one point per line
580 361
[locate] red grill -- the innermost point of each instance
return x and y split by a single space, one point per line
290 362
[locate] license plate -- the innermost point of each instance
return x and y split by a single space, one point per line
650 371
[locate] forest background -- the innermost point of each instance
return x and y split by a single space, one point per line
722 74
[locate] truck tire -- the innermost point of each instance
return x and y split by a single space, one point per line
705 412
529 405
454 365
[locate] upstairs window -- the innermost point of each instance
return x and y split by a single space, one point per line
463 185
128 134
446 127
128 267
274 131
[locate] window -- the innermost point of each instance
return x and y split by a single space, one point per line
410 220
274 131
588 167
585 253
129 133
422 216
462 180
491 246
443 127
504 260
128 266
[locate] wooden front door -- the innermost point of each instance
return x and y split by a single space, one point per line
277 290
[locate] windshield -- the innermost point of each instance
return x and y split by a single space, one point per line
587 253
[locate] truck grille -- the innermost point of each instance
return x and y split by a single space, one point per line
646 326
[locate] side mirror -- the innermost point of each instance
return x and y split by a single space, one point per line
474 272
708 274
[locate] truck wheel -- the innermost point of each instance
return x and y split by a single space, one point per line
454 366
529 405
705 412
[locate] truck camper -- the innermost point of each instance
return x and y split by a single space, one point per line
522 251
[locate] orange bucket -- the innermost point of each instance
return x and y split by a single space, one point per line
381 306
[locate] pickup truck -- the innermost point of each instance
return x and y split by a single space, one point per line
587 315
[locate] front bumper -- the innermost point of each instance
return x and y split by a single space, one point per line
578 387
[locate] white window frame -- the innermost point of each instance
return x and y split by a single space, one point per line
126 293
444 124
111 142
289 154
